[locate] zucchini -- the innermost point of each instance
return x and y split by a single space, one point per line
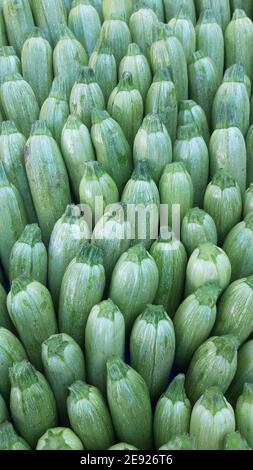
97 4
85 23
11 351
10 440
244 413
59 439
180 442
189 112
141 24
5 320
9 62
18 21
121 8
249 150
103 62
221 10
245 5
248 201
183 29
197 227
172 6
116 32
239 41
244 372
235 441
137 64
48 19
238 247
157 6
4 414
3 36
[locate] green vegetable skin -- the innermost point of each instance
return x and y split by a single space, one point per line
235 441
117 33
243 413
49 21
103 62
9 439
4 414
180 442
137 64
11 351
244 372
5 320
59 439
239 41
171 8
141 25
184 30
197 227
221 10
18 20
85 23
9 62
189 112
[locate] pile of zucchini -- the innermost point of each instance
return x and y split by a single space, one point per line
112 339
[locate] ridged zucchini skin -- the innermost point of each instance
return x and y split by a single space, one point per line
191 149
104 337
172 412
171 259
211 420
85 23
193 322
129 404
171 8
153 143
86 95
95 183
59 439
125 105
227 151
189 112
115 31
197 227
47 176
157 6
12 145
82 287
103 62
12 217
245 5
112 233
167 51
248 201
238 247
141 25
183 29
122 446
209 39
5 321
137 64
66 239
244 413
11 351
112 148
37 50
134 283
89 416
235 309
10 440
176 188
221 10
63 364
152 348
9 62
29 256
208 263
19 102
69 57
235 441
121 8
231 106
239 42
77 149
244 372
31 310
203 81
162 100
214 363
249 150
55 109
180 442
18 21
28 386
3 36
223 201
99 7
49 21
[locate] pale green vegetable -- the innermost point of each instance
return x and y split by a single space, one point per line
5 320
221 10
121 8
122 446
235 441
85 23
18 21
141 24
172 6
183 29
180 442
116 32
9 62
9 439
239 41
103 62
59 439
244 372
11 351
249 150
197 227
238 247
189 112
248 200
244 413
49 19
137 64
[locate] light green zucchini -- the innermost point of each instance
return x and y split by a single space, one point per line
59 439
12 217
9 62
86 95
18 21
28 386
211 420
82 287
9 439
66 239
228 151
171 259
12 145
245 5
125 106
47 176
191 149
209 39
183 29
19 102
134 283
161 99
37 51
193 322
85 23
129 404
203 81
121 8
137 64
244 372
248 200
116 32
63 363
152 348
97 4
31 310
235 441
103 62
180 442
235 309
197 227
244 413
189 112
238 247
172 6
249 150
104 337
239 41
208 263
112 148
223 202
176 190
29 256
55 109
89 416
5 320
157 6
141 24
11 351
48 19
221 10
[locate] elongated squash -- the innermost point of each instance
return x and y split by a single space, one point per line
5 320
11 350
238 245
117 33
9 62
243 413
121 8
137 64
103 62
49 20
239 41
141 25
189 112
10 440
249 150
197 227
244 372
172 6
18 20
248 201
221 10
85 23
184 30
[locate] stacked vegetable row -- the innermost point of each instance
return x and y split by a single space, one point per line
106 105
